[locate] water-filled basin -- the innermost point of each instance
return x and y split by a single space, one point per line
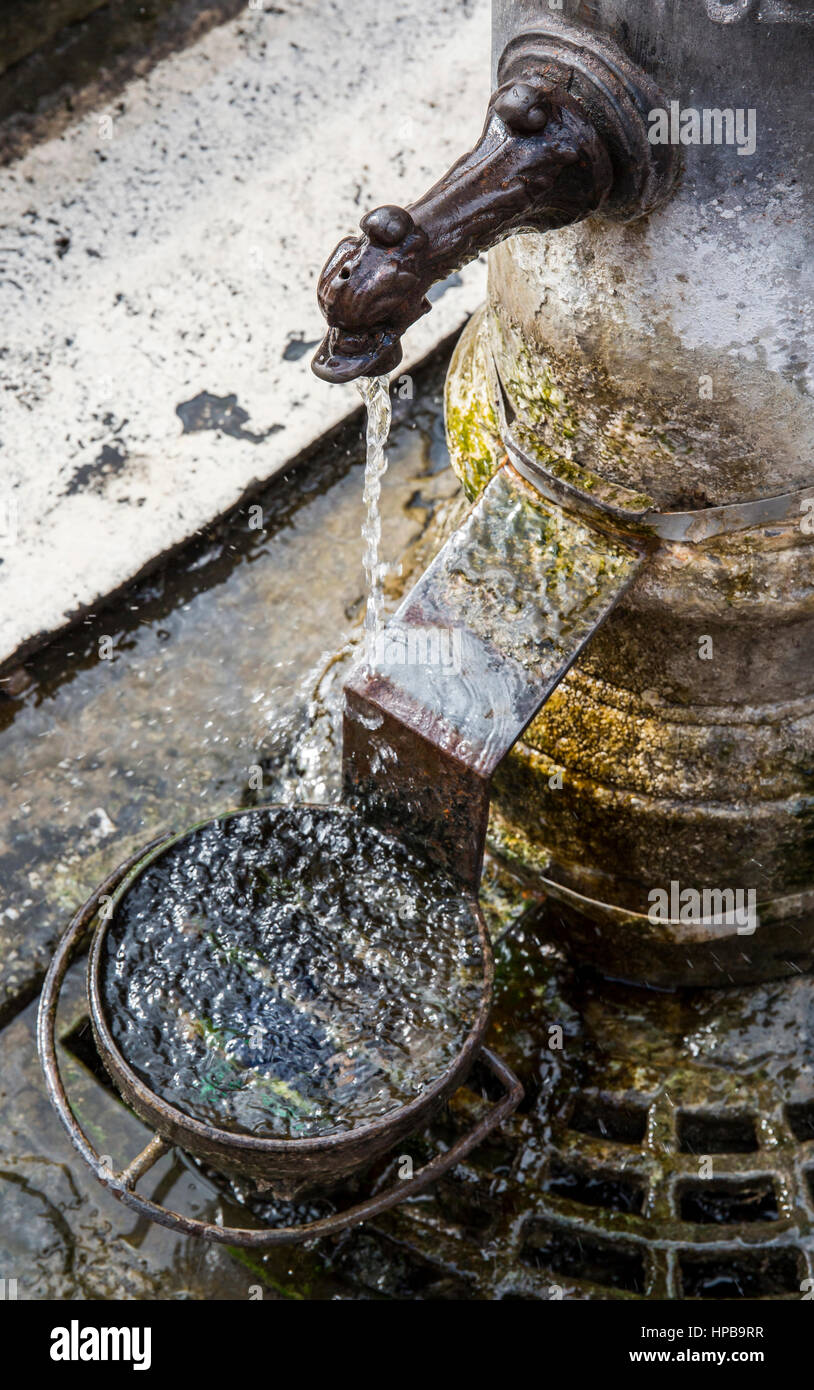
287 992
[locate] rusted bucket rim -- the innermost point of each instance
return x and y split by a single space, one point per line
246 1143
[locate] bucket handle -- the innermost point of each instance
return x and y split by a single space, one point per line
122 1184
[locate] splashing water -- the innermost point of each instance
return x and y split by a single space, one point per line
375 392
290 973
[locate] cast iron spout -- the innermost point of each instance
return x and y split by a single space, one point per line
566 136
539 164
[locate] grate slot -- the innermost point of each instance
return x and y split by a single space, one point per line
560 1251
743 1274
714 1132
800 1117
620 1120
614 1191
380 1264
728 1202
465 1204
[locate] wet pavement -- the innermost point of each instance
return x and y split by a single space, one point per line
193 695
213 685
665 1146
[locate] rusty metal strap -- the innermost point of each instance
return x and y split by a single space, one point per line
611 504
689 528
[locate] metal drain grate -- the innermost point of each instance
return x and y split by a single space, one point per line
600 1218
625 1177
668 1153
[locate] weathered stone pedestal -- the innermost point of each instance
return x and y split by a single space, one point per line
658 371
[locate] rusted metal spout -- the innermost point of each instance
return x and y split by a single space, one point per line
565 137
538 164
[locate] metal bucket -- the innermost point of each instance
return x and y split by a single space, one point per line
287 1166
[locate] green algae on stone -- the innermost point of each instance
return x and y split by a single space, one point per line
476 449
579 421
569 471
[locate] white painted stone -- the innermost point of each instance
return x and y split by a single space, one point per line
192 218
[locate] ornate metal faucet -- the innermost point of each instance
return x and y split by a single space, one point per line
565 137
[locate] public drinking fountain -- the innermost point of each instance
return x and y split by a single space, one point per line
640 493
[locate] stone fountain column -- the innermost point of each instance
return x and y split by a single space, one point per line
661 368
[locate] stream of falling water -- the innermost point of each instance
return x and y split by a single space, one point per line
375 392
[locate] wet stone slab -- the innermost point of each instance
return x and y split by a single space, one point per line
160 250
212 686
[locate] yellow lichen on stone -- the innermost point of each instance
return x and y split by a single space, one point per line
473 435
